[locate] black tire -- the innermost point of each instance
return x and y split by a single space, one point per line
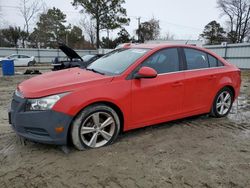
30 64
215 111
77 138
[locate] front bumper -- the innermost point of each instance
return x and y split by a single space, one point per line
38 126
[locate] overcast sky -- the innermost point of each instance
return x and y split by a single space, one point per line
185 19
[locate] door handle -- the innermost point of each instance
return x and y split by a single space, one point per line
177 84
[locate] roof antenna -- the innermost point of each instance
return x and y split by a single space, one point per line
187 42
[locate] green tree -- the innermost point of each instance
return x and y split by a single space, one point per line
232 37
123 37
75 38
213 33
149 30
3 42
51 28
35 39
74 35
108 14
11 35
23 37
108 43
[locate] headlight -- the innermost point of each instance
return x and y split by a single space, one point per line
18 93
45 103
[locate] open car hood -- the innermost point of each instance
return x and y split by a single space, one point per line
69 52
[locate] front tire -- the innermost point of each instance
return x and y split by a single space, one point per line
96 126
222 103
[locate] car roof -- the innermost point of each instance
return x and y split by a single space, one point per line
159 46
162 46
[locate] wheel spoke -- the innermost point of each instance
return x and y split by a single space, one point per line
106 135
228 105
219 105
221 98
221 109
93 140
86 130
96 118
226 97
107 122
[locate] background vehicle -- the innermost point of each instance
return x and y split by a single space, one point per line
21 60
74 59
129 88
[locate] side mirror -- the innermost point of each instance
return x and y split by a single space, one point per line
146 72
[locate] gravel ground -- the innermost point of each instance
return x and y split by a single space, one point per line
194 152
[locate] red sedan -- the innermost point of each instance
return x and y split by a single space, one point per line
132 87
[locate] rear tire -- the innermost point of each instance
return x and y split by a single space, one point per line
96 126
30 64
222 104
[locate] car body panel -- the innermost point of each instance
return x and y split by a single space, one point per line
38 125
149 94
63 81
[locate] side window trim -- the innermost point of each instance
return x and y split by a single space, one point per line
182 64
184 61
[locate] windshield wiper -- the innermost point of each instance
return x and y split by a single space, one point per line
96 71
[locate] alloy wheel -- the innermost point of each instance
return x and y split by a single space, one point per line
223 103
97 129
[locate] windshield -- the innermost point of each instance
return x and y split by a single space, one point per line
118 61
87 57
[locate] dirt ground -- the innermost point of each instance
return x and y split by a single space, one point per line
194 152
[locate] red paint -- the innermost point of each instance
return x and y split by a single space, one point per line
143 102
147 72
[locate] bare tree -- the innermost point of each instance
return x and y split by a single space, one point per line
168 36
89 29
29 9
238 13
1 17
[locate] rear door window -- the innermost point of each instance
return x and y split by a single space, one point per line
195 59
